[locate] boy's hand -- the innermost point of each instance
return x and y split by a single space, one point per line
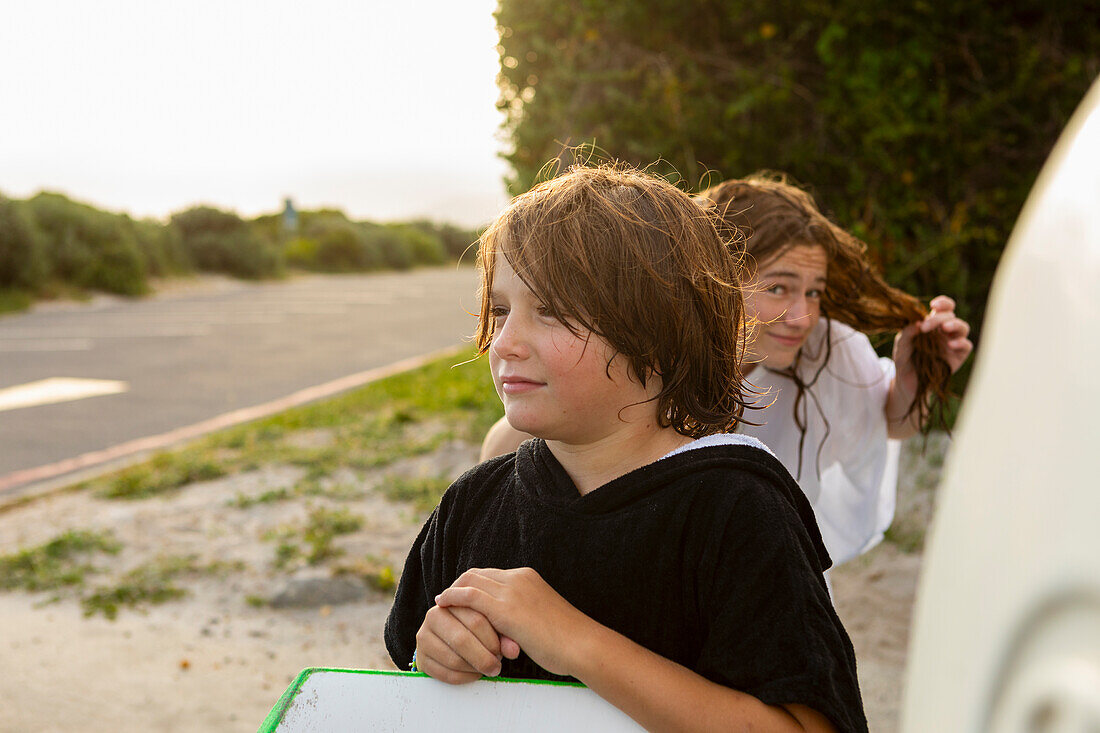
521 605
459 645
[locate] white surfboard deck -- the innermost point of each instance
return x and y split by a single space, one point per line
357 699
1006 634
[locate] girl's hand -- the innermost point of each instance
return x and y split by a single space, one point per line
952 331
522 606
459 645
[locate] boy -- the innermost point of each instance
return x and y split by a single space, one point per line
636 545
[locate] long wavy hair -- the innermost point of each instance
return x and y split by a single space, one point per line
628 257
764 215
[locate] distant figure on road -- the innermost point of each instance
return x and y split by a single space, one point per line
290 217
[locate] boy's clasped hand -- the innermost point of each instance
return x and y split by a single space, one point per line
488 614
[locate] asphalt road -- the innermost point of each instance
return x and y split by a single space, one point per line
211 347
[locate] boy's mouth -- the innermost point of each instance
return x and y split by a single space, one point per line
518 385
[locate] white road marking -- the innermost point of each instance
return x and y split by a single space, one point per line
57 389
167 330
62 344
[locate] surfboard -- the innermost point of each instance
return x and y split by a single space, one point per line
1006 633
321 699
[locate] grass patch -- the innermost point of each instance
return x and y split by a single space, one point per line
240 501
164 473
150 584
401 416
12 301
314 541
906 538
422 493
323 527
377 573
62 562
305 488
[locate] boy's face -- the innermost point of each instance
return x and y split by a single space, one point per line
785 301
556 385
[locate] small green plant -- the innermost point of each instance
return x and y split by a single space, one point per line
286 554
907 539
61 562
166 472
377 573
422 493
240 501
323 527
151 583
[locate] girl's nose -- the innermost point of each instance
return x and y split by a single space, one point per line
798 311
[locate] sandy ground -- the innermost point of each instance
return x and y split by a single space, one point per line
212 662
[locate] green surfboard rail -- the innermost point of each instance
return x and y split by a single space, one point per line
275 717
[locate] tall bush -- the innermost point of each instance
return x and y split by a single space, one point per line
87 247
22 258
220 241
425 246
162 246
920 125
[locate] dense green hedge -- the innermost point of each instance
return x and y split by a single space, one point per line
220 241
87 247
921 125
50 244
22 260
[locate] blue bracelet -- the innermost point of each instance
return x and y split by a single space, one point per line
412 664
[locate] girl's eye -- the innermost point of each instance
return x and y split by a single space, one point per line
498 312
815 294
777 290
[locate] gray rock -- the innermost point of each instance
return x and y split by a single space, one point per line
314 592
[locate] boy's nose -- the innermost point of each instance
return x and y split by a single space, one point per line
509 341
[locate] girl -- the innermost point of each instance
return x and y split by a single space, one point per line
836 409
636 544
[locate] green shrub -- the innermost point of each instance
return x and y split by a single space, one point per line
301 252
269 228
457 242
424 245
22 257
921 125
88 247
395 253
220 241
162 245
347 248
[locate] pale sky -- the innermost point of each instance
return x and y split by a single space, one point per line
383 109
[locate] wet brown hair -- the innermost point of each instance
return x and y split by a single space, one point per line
764 216
632 259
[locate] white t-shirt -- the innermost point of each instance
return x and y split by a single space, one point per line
852 482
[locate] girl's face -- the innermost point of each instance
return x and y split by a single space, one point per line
784 299
556 385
